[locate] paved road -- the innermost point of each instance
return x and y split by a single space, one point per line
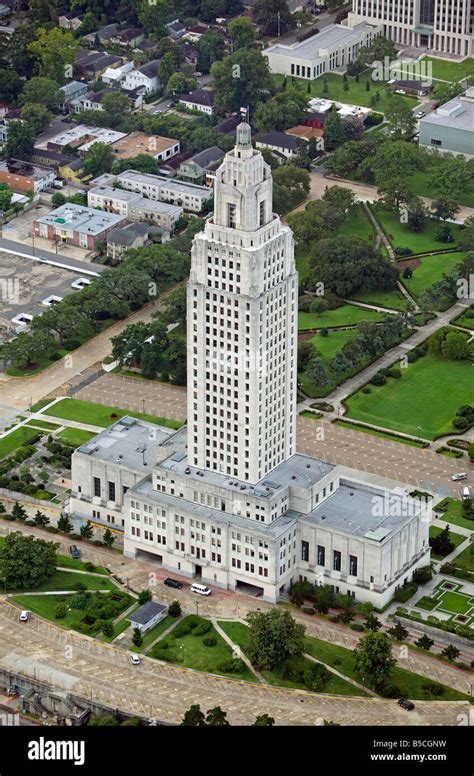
102 672
53 258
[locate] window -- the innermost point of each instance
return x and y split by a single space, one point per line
336 563
321 555
231 215
352 565
304 550
96 486
111 491
261 217
435 142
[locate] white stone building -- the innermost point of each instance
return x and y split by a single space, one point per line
331 49
189 196
134 207
443 26
227 500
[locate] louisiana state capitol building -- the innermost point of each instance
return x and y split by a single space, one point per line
227 500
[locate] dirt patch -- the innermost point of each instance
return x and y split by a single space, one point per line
412 263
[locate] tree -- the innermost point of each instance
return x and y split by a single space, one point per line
264 720
108 629
217 718
274 636
193 717
424 642
167 68
179 83
64 524
36 116
108 538
372 623
19 512
10 85
42 91
137 638
241 79
445 207
241 31
87 530
442 544
144 596
273 17
398 632
380 48
174 609
41 519
6 196
373 659
153 16
56 51
116 105
99 159
450 652
399 115
26 562
211 49
455 346
20 141
334 132
25 350
417 215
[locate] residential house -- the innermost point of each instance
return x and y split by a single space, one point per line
200 99
280 143
190 53
160 148
201 168
175 29
114 75
72 91
124 238
70 20
195 33
130 37
102 36
91 65
81 137
145 76
134 206
25 177
190 197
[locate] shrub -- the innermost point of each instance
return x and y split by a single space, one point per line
209 641
395 372
308 609
406 592
366 389
357 626
433 689
202 628
60 611
108 629
404 251
378 379
234 666
315 677
174 609
389 690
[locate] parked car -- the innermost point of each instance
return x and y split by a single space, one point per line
459 476
134 659
24 615
200 589
466 494
74 551
173 583
420 114
408 705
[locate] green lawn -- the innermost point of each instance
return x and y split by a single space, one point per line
357 224
191 652
454 513
382 434
328 346
21 436
346 315
156 631
75 436
446 70
465 560
392 300
455 603
40 364
42 424
45 606
401 236
466 319
420 183
99 414
432 269
65 580
415 404
79 565
357 94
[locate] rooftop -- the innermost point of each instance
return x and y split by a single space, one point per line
24 169
129 442
206 157
457 113
81 133
170 184
199 97
314 47
78 218
145 613
126 235
280 140
128 146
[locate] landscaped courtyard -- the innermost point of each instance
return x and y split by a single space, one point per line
100 414
451 602
415 404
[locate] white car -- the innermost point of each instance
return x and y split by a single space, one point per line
24 615
135 660
459 476
420 114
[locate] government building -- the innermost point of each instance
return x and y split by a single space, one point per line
440 26
227 500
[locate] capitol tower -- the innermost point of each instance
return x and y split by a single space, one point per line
242 326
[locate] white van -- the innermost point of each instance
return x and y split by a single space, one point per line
201 589
466 494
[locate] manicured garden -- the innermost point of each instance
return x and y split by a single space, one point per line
101 414
414 404
451 510
67 580
401 236
21 436
382 434
430 270
455 538
329 345
392 300
346 315
331 87
448 598
466 319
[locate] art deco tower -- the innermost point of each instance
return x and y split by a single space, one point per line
242 326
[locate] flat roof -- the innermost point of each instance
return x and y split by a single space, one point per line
169 183
79 218
359 511
136 143
74 135
332 35
145 613
135 199
25 169
457 113
130 442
